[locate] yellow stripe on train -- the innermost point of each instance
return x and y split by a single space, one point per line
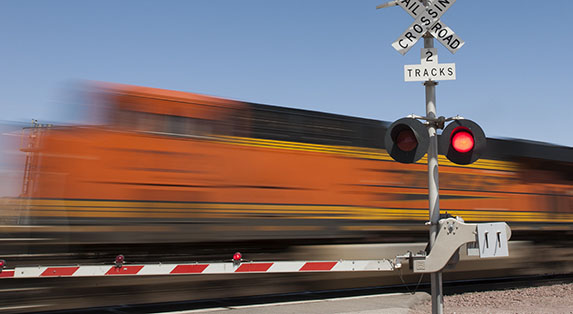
369 153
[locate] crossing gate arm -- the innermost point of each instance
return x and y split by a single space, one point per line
489 239
197 268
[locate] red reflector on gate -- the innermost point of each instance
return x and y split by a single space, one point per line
189 269
7 274
119 259
59 271
317 266
245 268
124 270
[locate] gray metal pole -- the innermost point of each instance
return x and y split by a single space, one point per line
433 183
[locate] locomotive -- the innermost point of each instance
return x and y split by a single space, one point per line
170 167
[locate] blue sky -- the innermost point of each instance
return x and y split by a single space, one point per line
514 73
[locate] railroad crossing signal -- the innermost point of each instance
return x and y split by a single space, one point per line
427 19
463 141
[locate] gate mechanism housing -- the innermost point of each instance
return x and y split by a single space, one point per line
490 239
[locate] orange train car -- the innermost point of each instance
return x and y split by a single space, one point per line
177 167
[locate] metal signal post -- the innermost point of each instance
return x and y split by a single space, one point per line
427 25
433 181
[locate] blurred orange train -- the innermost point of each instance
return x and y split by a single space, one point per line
172 167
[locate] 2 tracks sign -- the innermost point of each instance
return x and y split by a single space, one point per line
429 69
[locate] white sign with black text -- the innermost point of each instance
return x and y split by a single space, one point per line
429 69
439 30
427 19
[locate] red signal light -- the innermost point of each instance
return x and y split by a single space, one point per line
237 257
2 264
119 260
406 140
463 141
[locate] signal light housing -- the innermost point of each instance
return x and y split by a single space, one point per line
119 260
407 140
237 258
462 142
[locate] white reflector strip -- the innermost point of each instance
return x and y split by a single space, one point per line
85 271
159 269
285 267
31 272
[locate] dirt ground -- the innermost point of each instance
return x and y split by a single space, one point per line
556 298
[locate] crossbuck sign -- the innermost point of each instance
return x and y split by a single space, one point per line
427 20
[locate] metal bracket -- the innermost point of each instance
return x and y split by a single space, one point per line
438 122
387 4
491 239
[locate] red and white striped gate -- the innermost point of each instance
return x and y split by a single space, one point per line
236 266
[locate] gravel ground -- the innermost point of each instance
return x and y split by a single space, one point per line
557 298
